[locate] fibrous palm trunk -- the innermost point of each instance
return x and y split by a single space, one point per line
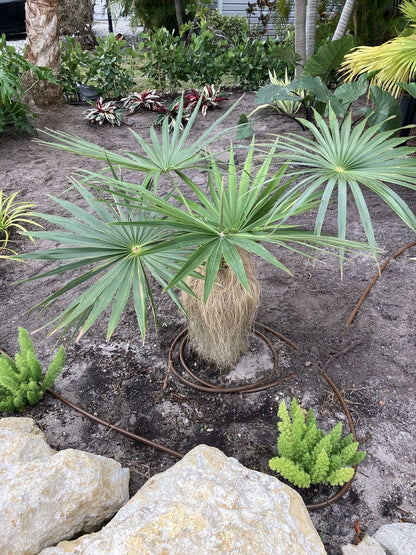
219 330
42 47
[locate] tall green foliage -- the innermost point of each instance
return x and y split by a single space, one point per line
14 110
154 15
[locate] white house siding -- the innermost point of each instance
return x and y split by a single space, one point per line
234 7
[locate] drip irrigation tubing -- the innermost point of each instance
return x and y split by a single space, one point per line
203 385
257 386
375 278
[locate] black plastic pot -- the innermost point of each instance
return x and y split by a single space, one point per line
86 93
408 108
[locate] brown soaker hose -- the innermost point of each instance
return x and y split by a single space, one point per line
373 281
312 506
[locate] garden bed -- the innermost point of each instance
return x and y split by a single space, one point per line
128 383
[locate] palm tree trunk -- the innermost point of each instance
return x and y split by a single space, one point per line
311 17
344 19
300 38
178 12
42 47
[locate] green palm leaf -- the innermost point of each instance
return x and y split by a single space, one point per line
119 260
169 153
349 159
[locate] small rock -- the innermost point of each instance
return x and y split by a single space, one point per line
369 546
398 538
206 503
47 496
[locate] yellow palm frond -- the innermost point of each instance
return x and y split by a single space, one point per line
394 60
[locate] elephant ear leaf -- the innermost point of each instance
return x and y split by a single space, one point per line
328 57
244 129
388 110
410 88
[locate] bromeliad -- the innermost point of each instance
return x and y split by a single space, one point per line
210 98
105 112
146 100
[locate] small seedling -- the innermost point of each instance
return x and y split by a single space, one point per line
21 382
105 112
309 456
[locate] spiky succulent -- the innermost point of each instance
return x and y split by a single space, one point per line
309 456
103 112
146 100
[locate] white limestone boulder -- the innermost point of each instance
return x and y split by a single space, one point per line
47 496
206 503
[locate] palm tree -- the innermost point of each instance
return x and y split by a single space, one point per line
310 25
300 34
42 28
202 239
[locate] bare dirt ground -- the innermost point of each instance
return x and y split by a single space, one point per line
127 383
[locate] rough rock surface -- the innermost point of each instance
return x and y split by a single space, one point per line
398 538
48 496
206 503
369 546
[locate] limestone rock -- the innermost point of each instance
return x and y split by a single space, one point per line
48 496
398 538
206 503
369 546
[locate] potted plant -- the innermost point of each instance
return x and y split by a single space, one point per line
186 233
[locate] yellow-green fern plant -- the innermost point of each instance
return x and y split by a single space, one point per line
394 61
309 456
21 382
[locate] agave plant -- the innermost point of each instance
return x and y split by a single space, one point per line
14 215
392 62
105 112
209 95
146 100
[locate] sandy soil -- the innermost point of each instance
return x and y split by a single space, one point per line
127 383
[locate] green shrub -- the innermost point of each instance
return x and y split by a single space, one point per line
309 456
106 70
251 62
14 110
74 61
165 59
233 28
210 58
20 378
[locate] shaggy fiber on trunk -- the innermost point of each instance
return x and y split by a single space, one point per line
219 331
